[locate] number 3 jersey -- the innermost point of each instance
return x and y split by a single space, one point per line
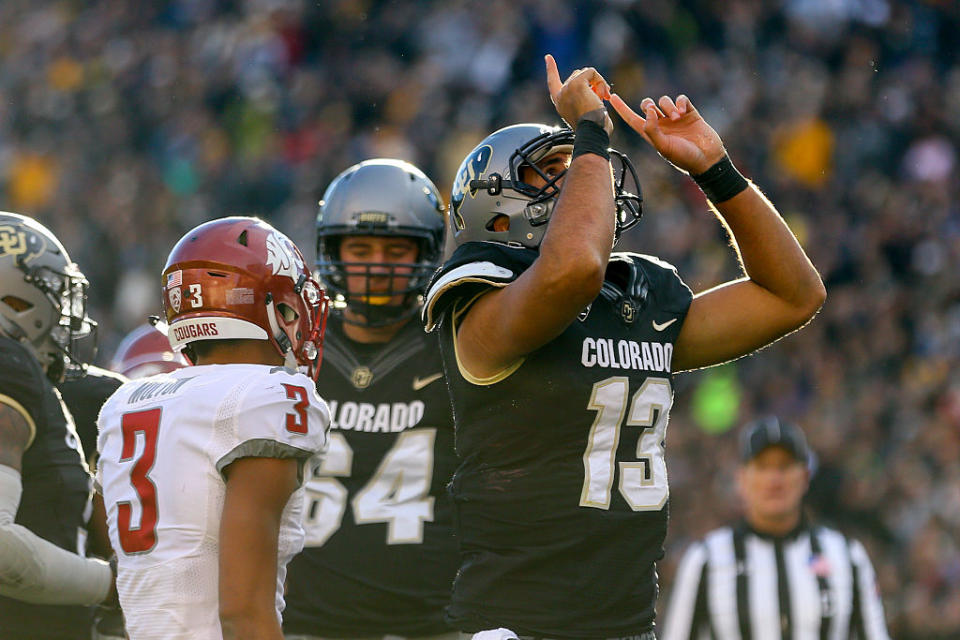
164 443
380 556
561 498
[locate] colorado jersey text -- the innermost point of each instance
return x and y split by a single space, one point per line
561 498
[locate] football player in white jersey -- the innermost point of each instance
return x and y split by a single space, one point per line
201 468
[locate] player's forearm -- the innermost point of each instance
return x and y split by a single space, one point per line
247 594
248 578
257 490
34 570
251 625
771 256
576 247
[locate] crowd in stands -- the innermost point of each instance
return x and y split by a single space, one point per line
125 123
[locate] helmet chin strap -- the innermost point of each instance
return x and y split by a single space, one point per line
281 338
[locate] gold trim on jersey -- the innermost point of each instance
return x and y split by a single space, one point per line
13 404
503 374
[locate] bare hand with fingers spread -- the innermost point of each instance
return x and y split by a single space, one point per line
675 130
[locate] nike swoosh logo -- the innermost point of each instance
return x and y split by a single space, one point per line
420 383
661 327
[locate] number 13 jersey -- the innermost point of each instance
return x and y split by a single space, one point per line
561 498
164 442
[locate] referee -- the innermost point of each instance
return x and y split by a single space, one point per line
774 575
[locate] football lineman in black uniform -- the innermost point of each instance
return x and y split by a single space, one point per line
379 557
46 585
559 356
84 395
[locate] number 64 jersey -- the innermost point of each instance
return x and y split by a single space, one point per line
164 443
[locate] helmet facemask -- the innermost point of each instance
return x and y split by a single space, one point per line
72 340
373 306
298 334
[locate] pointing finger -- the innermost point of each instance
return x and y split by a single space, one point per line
629 116
554 84
634 120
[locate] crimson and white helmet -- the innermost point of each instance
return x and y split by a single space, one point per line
239 278
146 351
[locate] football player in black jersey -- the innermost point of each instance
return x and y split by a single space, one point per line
84 395
379 557
46 585
559 356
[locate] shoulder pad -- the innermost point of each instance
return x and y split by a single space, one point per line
666 289
280 415
473 267
96 384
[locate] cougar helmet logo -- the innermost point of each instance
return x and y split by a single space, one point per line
472 169
281 259
21 243
176 299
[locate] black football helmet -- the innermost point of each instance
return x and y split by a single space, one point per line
380 197
488 185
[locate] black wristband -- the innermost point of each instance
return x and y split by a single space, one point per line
721 182
591 138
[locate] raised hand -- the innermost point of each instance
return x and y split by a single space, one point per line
676 130
583 91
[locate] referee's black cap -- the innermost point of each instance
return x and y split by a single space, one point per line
770 431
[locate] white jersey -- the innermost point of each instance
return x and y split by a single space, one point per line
164 442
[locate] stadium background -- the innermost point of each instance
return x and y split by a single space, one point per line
124 123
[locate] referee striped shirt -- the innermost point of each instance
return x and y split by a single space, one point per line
738 584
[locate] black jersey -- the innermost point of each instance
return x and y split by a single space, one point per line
379 556
84 397
56 491
561 498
